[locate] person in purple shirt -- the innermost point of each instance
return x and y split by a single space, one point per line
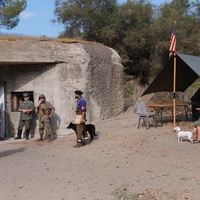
80 118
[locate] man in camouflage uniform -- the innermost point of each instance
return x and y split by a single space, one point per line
45 111
26 109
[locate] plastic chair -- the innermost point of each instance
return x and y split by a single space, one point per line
143 114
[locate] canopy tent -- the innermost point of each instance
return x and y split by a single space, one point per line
187 71
195 101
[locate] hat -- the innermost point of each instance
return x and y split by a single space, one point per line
42 96
26 95
79 92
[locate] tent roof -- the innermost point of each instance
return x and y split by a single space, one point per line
187 71
196 96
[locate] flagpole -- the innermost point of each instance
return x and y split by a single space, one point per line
174 91
172 50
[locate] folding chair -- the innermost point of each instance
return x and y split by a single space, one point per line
143 114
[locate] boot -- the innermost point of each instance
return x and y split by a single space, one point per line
19 134
49 138
41 135
27 133
41 138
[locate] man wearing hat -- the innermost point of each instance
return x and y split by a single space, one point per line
80 117
26 109
45 112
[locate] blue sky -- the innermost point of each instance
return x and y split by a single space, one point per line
35 20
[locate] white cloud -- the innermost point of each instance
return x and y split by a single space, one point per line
26 15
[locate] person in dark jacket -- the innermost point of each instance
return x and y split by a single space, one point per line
80 118
26 110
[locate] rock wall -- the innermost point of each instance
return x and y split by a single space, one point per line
56 69
104 81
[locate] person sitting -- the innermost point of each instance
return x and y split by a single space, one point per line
196 132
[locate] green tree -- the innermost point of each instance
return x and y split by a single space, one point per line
186 15
136 24
9 12
86 19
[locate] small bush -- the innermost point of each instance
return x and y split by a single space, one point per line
122 194
129 85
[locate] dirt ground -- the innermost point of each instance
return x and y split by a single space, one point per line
123 162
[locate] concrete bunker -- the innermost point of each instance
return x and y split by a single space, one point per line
56 69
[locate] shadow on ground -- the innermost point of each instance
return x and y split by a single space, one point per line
13 151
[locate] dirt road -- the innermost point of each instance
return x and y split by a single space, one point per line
122 161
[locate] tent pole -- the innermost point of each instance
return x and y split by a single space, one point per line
174 92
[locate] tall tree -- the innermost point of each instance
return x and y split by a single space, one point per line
136 23
86 19
186 15
9 12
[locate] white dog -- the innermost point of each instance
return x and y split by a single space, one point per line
182 134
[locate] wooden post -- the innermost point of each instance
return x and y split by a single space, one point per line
174 91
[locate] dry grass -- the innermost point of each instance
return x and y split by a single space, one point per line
59 40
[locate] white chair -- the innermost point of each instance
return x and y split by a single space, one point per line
143 114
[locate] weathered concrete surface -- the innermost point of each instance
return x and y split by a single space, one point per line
56 69
33 51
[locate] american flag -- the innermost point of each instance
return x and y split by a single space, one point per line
172 44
